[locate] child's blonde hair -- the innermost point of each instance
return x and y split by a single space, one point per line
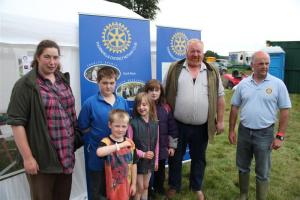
152 109
118 114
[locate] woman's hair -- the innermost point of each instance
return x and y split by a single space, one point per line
138 100
40 49
118 114
108 72
155 84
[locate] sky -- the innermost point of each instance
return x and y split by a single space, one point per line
234 25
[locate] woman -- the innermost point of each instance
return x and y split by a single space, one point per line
43 119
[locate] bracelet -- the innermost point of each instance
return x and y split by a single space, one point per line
281 134
117 146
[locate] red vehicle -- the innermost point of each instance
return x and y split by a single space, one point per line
231 80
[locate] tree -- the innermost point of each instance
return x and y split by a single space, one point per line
146 8
210 53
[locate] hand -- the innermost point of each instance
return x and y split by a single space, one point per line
276 144
132 189
171 152
232 137
30 165
220 127
149 155
125 144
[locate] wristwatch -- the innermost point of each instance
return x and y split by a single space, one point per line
281 138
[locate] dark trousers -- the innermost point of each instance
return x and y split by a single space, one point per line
50 186
196 137
96 185
159 177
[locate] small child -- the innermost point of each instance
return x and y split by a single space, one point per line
120 158
143 130
168 132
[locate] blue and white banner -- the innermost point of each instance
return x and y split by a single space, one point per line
121 43
171 46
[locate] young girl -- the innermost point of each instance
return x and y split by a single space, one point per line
168 132
143 130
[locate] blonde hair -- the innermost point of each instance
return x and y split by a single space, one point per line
152 109
118 114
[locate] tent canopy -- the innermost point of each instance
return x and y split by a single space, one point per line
30 21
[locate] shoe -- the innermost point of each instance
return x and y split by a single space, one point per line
171 193
200 195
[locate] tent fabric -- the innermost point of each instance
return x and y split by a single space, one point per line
30 21
23 24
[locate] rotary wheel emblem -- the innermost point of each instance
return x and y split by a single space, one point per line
178 43
116 37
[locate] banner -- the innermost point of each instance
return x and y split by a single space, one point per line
171 46
121 43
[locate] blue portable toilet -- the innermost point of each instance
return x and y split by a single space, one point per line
277 57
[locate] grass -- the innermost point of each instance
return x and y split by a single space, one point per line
221 177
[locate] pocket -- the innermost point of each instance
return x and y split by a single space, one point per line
94 162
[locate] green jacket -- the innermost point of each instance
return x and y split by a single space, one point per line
213 85
26 109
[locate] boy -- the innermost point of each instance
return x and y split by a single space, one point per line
93 121
120 158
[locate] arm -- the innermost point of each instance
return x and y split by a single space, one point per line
133 179
139 153
283 121
106 150
29 162
220 114
232 122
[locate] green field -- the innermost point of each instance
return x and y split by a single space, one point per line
221 178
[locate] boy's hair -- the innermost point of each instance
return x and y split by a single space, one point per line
106 71
152 109
155 84
118 114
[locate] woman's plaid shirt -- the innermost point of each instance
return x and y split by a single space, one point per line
59 105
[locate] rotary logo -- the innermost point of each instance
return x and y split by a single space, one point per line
269 90
178 43
116 37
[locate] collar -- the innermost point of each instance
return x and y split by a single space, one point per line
100 97
202 66
268 77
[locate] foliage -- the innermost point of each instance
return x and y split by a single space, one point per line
146 8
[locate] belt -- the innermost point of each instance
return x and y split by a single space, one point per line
260 129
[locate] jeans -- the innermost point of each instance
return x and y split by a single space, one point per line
196 137
257 143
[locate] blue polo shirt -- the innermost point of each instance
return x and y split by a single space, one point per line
259 103
94 115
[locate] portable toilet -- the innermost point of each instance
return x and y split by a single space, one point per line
277 58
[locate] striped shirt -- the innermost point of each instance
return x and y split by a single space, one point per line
59 105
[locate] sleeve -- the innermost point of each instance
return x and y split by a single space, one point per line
19 106
84 116
157 147
236 97
140 154
283 97
220 86
172 126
